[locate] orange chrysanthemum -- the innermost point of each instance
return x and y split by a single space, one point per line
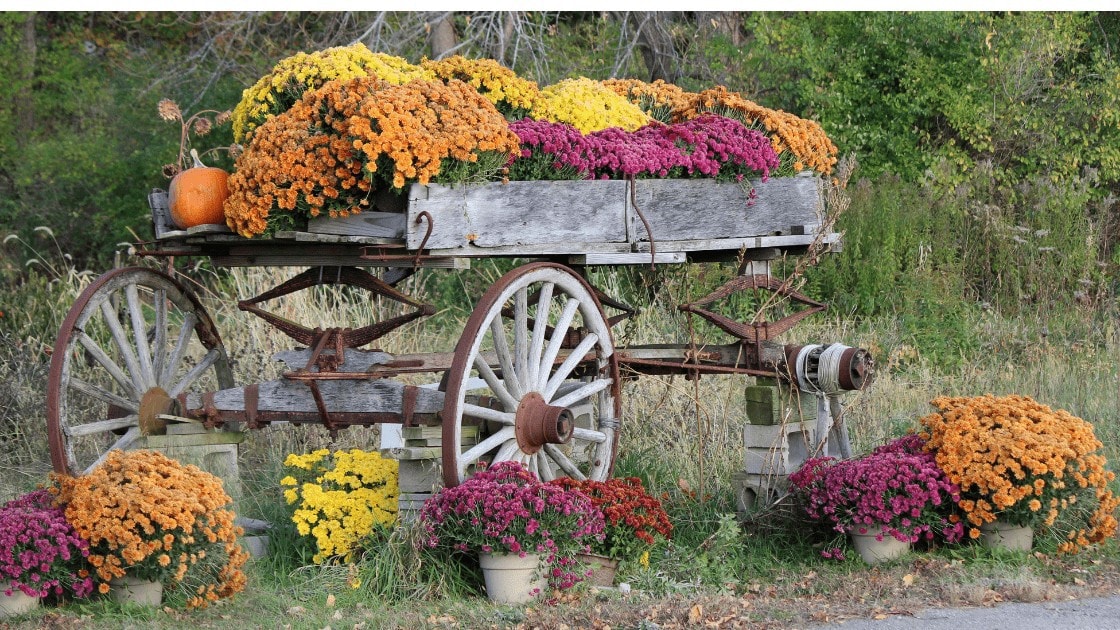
328 152
106 505
799 142
1013 457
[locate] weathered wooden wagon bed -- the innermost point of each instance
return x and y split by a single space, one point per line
535 377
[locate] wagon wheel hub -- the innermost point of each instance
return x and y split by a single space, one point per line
538 423
154 403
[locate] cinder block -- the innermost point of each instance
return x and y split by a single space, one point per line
419 475
777 449
409 505
753 491
769 404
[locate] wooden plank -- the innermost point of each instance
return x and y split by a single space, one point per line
354 360
547 249
209 228
518 214
370 223
467 431
308 237
698 209
346 396
754 242
297 259
629 258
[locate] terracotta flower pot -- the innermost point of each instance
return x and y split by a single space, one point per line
602 568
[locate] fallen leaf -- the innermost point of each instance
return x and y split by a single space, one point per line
907 579
684 486
879 617
695 614
330 600
1079 581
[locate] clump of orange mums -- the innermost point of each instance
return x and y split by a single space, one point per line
804 141
346 139
658 99
1022 462
149 516
512 95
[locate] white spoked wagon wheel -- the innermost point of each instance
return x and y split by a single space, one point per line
536 372
134 340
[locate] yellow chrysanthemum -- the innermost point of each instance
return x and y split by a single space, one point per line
347 495
293 76
588 106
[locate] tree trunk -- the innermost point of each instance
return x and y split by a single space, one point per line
442 38
655 42
508 22
729 23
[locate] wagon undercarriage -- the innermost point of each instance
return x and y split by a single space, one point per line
535 375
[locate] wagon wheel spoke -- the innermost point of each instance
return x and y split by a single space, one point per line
110 366
565 464
122 345
159 343
486 413
103 395
543 470
128 335
140 334
555 419
123 442
494 383
540 324
210 359
103 426
556 341
505 359
471 455
520 337
176 357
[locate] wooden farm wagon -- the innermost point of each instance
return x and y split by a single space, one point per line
535 375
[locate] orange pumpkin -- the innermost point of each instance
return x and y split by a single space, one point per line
197 194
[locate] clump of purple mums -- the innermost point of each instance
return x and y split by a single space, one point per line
507 509
707 146
897 490
40 554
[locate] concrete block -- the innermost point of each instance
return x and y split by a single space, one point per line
777 449
410 504
770 404
754 491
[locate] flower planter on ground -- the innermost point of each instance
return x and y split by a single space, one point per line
602 568
874 547
17 603
512 579
133 590
1002 535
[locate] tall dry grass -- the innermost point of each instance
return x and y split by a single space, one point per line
674 428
